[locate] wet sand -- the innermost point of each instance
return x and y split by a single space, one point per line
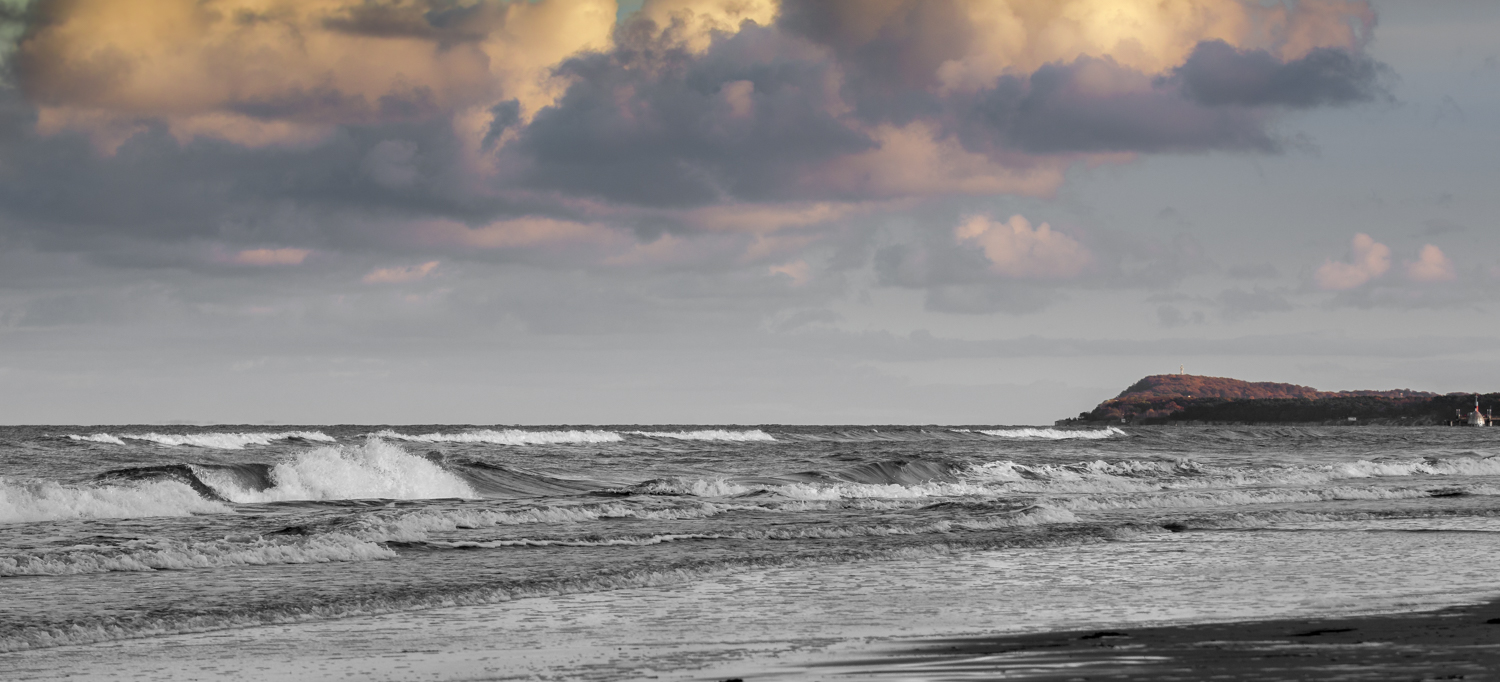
1456 643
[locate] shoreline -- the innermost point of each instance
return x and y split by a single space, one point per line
1456 642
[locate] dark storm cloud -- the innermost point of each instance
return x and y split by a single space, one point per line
651 124
442 21
1053 111
889 52
61 193
1216 74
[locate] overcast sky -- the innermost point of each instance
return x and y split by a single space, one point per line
735 211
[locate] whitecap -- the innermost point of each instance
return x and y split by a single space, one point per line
226 441
33 501
507 437
1053 434
98 438
374 469
709 434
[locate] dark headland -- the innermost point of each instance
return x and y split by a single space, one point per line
1190 399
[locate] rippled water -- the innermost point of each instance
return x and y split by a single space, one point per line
121 532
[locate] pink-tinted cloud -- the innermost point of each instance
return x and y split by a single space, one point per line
1368 259
1016 249
400 274
270 257
798 271
1431 265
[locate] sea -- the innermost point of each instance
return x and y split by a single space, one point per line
611 552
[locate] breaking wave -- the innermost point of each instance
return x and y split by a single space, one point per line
1148 475
507 437
219 441
374 469
1050 434
35 501
752 435
98 438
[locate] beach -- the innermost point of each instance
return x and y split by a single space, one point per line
1455 643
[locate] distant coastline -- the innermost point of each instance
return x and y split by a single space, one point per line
1191 399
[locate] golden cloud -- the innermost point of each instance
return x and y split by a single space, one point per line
274 71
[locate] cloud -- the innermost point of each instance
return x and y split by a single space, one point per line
693 23
1368 259
270 257
1016 249
798 271
267 71
1431 266
400 274
691 134
958 44
698 102
1217 74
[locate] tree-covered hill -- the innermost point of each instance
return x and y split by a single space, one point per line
1183 398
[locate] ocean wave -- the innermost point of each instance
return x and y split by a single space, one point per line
498 481
97 438
374 469
1049 434
722 487
507 437
1148 475
419 525
218 441
34 501
165 555
1026 518
1230 498
378 601
752 435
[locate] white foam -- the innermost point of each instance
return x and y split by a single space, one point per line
158 555
508 437
33 501
709 434
374 469
718 487
1143 476
98 438
224 441
1052 434
1229 498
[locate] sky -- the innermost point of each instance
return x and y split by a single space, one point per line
735 211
